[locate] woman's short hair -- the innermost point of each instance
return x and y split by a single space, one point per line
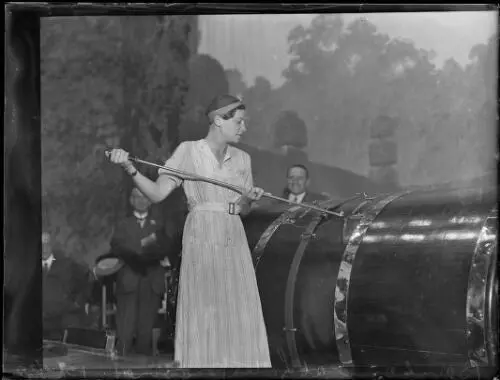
222 101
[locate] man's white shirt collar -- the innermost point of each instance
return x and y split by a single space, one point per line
48 261
296 197
138 215
141 217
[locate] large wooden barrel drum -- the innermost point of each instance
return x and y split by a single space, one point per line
404 279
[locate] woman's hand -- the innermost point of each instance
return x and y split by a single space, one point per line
254 194
243 204
120 157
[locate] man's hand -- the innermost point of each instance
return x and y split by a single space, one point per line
148 240
165 262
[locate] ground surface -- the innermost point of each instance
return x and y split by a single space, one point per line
73 360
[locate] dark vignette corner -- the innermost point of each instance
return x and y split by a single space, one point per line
22 190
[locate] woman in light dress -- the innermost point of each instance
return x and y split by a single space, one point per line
219 316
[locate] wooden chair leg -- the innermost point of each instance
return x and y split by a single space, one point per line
156 337
104 308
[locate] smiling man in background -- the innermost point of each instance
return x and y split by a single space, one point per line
297 186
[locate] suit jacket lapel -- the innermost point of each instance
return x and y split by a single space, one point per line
136 229
138 233
149 226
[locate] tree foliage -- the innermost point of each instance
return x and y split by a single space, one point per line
207 79
263 107
290 130
106 82
341 77
237 85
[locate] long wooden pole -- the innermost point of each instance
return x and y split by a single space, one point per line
192 176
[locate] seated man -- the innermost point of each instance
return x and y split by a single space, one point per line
66 288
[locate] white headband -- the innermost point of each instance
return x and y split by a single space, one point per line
224 110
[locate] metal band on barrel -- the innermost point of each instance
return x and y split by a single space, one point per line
285 217
344 276
480 353
289 328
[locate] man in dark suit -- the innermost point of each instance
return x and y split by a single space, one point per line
140 283
297 186
66 291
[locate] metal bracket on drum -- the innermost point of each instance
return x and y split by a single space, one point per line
351 221
481 333
344 275
286 217
327 204
307 235
290 289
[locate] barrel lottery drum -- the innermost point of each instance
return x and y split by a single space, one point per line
403 279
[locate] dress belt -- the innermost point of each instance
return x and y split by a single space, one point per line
210 206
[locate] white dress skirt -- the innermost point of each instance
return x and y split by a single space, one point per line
219 314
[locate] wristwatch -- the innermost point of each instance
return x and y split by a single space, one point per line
133 174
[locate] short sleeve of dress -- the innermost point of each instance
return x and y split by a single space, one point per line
178 161
247 176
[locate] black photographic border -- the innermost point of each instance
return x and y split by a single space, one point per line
22 149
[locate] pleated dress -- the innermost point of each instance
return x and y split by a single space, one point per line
219 314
